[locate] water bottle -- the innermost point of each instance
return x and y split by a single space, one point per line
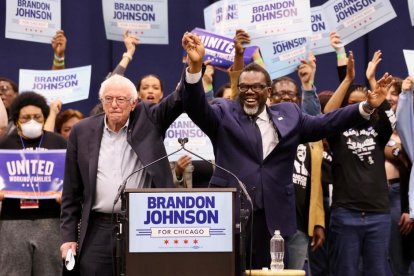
277 251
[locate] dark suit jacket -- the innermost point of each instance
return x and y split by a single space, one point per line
229 129
148 123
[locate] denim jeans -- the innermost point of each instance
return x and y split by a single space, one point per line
297 247
354 234
400 261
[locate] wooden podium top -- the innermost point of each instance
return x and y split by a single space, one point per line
285 272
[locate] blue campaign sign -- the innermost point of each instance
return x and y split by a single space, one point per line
180 222
353 19
67 85
283 57
35 21
198 141
220 49
222 17
319 41
31 174
148 19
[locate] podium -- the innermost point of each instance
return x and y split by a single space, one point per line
180 232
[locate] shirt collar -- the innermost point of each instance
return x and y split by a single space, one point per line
263 115
106 127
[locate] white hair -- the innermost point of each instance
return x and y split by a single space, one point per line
120 81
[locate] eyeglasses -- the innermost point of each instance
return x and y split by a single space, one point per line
280 94
118 100
37 117
255 87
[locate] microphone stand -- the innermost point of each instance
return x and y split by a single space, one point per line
243 214
122 218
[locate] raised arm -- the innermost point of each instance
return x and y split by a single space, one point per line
55 107
130 41
405 117
240 39
339 47
3 119
306 72
335 101
372 68
59 46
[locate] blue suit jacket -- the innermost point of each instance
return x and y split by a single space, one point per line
148 123
229 129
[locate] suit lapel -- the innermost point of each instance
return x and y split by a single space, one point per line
94 144
280 122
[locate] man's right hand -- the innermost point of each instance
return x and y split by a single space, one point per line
66 246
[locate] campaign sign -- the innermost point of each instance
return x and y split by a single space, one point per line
148 19
180 222
319 41
283 57
198 141
355 18
284 19
67 85
31 174
220 49
222 17
35 21
409 61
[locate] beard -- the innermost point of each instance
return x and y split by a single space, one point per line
251 110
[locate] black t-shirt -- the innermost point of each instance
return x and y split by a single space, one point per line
359 179
301 182
48 208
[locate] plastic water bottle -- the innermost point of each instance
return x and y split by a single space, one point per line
277 251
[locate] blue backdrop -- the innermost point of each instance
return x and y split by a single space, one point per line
83 24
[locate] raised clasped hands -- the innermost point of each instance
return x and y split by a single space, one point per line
194 47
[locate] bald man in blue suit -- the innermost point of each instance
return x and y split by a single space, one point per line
258 143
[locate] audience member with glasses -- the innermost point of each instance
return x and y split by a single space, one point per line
30 228
264 141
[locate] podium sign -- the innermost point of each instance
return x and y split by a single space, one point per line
186 230
180 222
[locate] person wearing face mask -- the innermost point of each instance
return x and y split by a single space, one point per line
29 239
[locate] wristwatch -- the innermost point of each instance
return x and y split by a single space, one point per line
396 151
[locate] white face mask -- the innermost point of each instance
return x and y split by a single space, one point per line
31 129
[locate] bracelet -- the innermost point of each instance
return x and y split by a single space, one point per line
367 108
59 63
59 58
128 56
259 61
209 88
179 178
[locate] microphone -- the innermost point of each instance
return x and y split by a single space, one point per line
243 212
184 140
122 187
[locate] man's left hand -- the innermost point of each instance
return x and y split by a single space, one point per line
318 237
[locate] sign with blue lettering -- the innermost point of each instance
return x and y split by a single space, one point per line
355 18
222 17
198 141
147 19
68 85
281 19
283 57
30 20
319 41
180 222
32 174
220 50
